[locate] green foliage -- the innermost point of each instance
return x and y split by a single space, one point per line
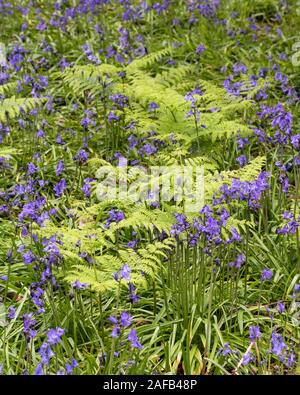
144 91
10 108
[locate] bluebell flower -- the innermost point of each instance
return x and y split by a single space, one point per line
70 367
28 257
134 339
59 167
86 189
46 353
235 236
81 156
226 350
254 333
28 324
291 360
200 49
242 160
120 100
54 335
242 141
78 285
247 358
11 312
125 272
133 297
149 149
60 187
280 307
39 370
239 68
32 168
63 63
278 345
125 319
113 320
238 263
267 274
114 216
112 117
153 106
133 141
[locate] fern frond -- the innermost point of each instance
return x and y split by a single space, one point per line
88 77
8 88
147 61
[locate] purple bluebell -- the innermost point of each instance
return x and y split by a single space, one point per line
46 353
200 49
242 160
280 307
28 257
39 370
133 297
114 216
79 285
28 326
120 100
153 106
247 358
11 312
239 261
71 366
86 189
125 319
239 68
82 156
112 117
292 359
59 167
226 350
133 141
278 344
125 272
